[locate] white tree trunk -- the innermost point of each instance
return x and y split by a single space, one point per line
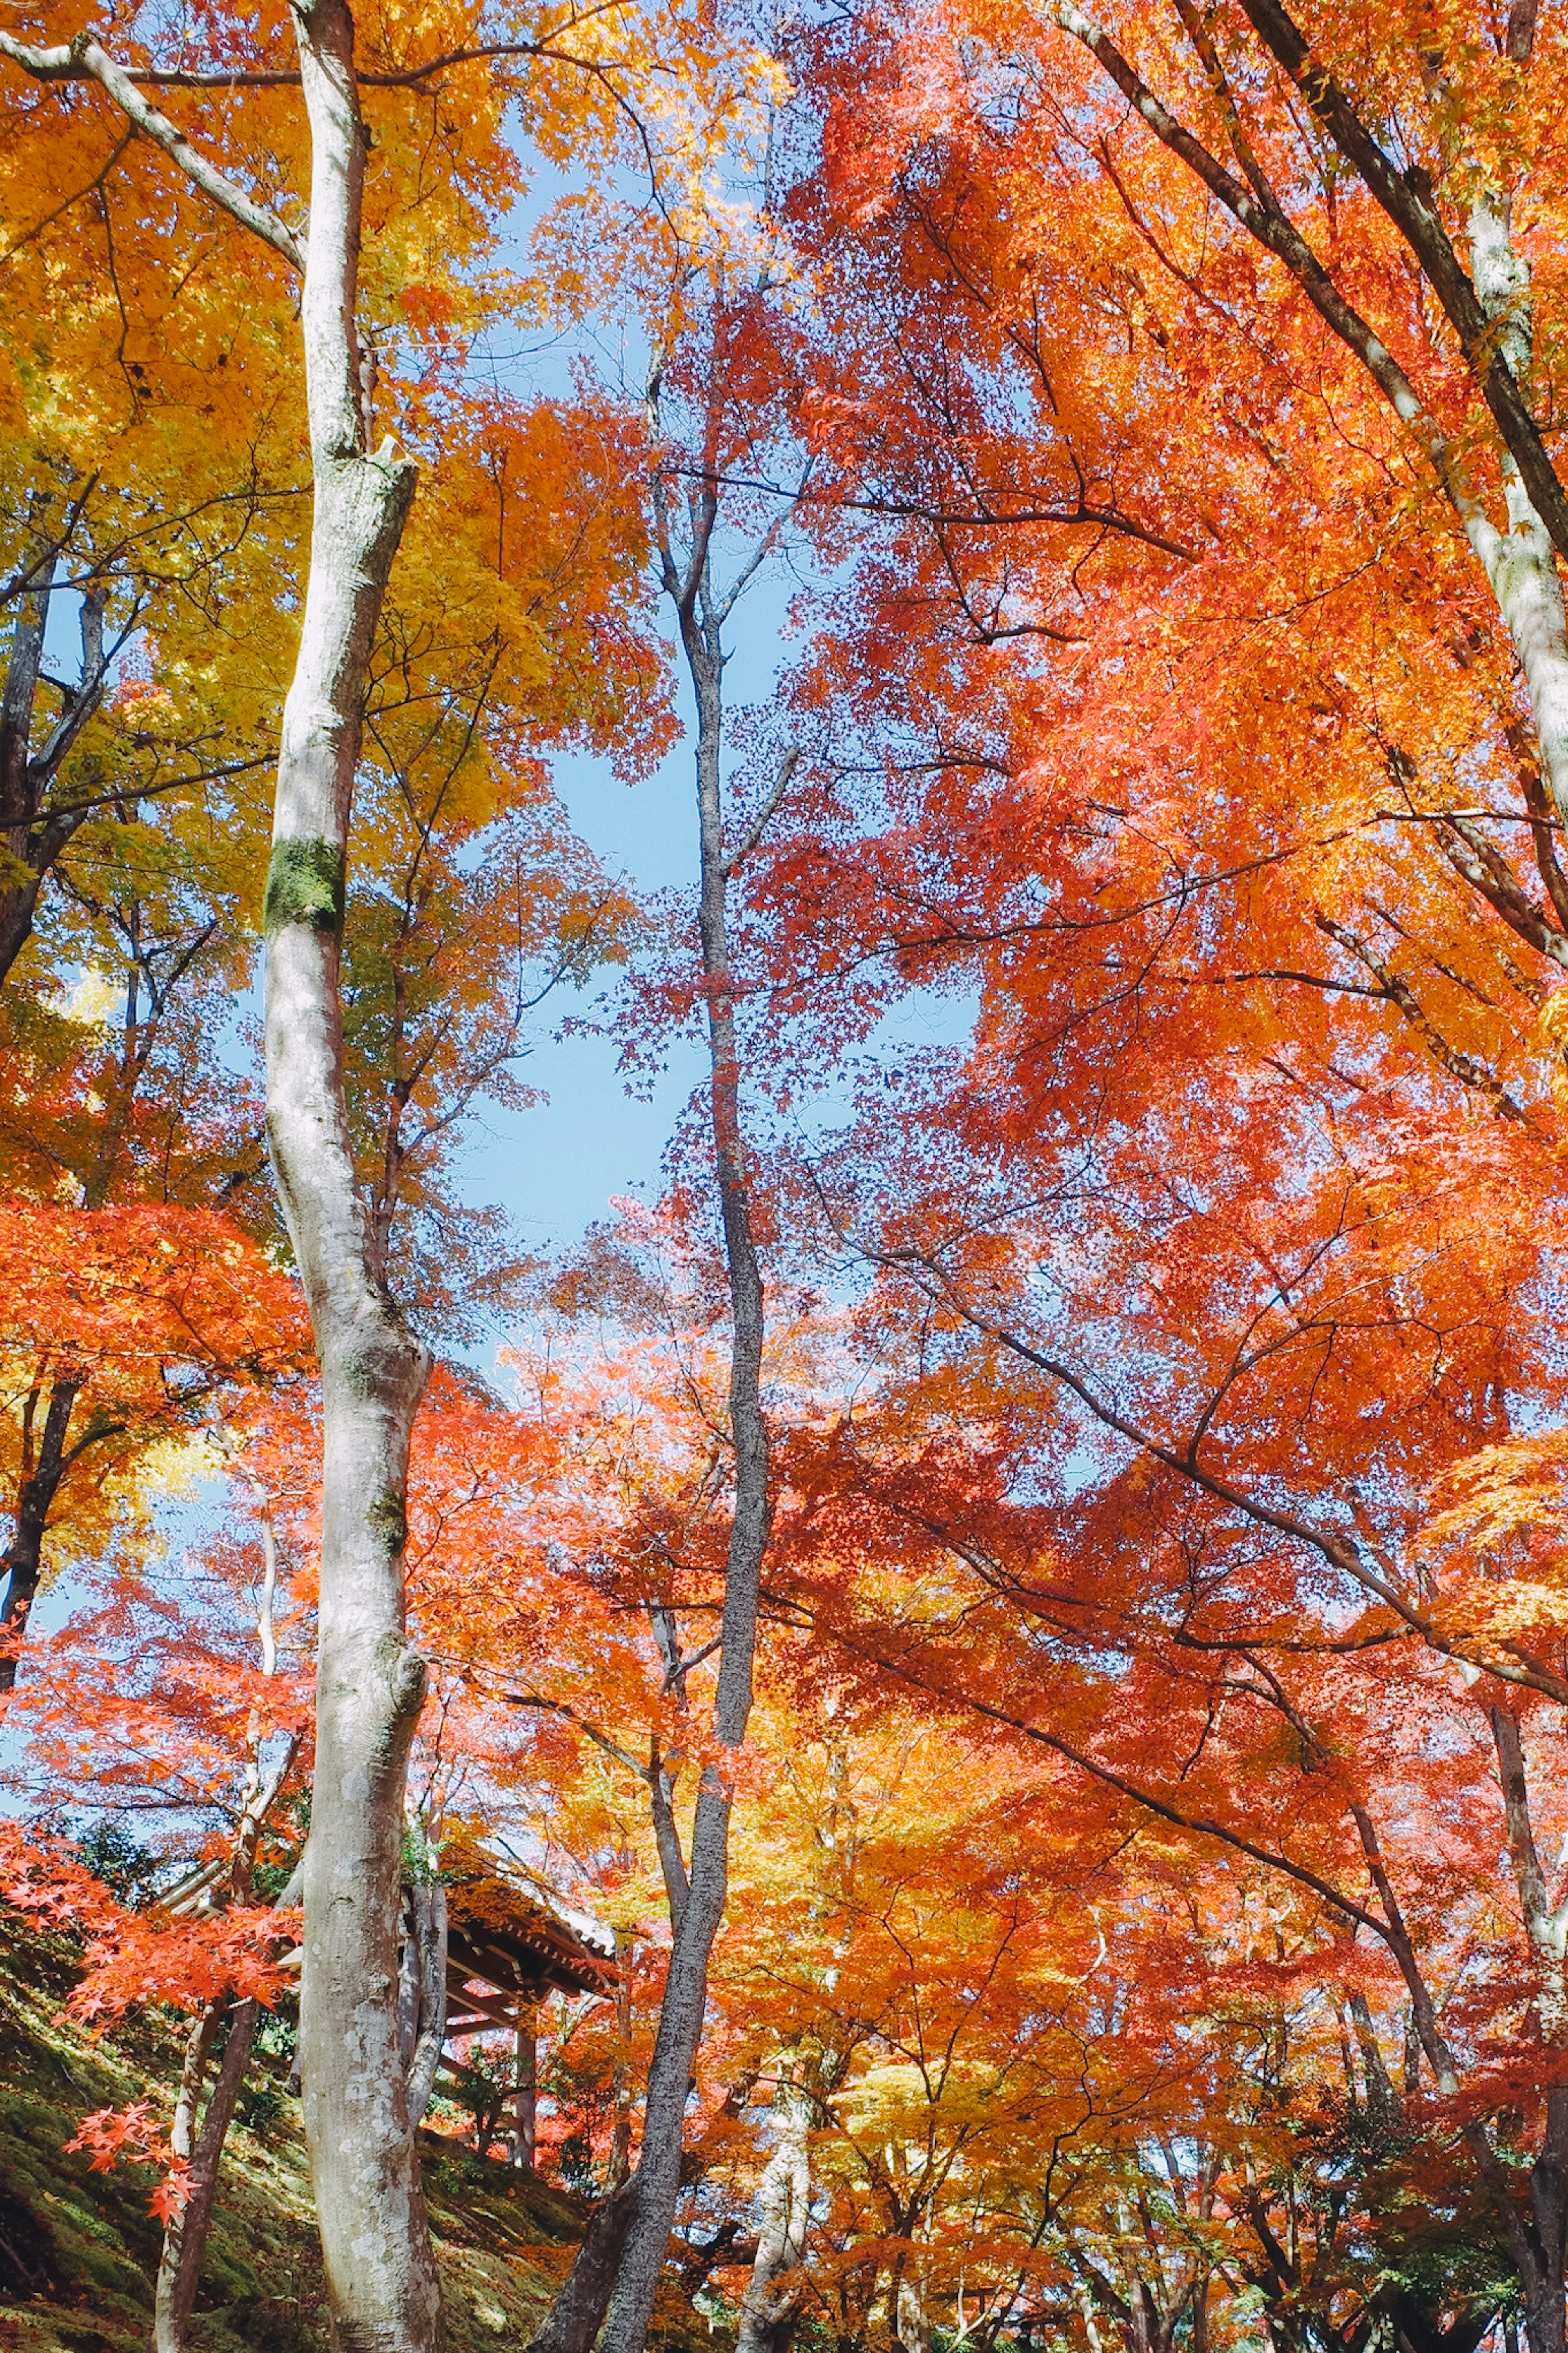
1520 562
784 2200
911 2327
382 2287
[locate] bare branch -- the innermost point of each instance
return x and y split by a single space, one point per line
759 824
1339 1548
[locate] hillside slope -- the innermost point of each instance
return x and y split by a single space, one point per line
79 2252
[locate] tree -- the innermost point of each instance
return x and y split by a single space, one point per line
1032 702
123 1329
1123 1908
381 2278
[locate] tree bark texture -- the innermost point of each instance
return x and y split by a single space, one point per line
578 2312
421 1993
618 2169
382 2288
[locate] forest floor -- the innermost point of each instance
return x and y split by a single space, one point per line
79 2251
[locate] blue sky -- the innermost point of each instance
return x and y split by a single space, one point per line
556 1167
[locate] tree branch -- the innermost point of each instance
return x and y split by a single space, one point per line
83 60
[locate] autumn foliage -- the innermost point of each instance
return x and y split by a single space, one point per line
1102 1313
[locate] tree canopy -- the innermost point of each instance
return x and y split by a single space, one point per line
989 1651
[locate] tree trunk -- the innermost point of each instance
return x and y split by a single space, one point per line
427 1907
578 2312
33 835
381 2289
911 2327
658 2178
620 2165
1543 2315
185 2235
525 2098
20 884
25 1558
1539 2240
785 2198
1537 2236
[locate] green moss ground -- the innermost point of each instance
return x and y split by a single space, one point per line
79 2252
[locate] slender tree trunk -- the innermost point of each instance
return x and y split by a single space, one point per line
168 2317
658 2178
20 886
25 1558
32 836
185 2235
429 1910
525 2098
382 2288
1538 2238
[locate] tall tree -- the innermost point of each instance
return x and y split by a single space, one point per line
686 519
382 2283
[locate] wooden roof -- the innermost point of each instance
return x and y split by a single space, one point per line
504 1940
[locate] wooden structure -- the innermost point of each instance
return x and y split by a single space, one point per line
505 1951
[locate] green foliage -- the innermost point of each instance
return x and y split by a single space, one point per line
262 2107
127 1868
1431 2240
576 2165
481 2085
304 885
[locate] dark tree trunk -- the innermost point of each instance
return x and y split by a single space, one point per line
185 2236
578 2312
34 834
525 2098
25 1559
